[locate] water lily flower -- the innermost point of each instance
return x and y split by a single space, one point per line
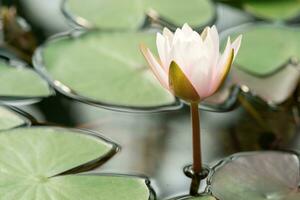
190 65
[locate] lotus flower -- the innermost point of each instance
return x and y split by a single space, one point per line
190 65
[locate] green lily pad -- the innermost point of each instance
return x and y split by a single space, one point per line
275 88
131 14
273 10
34 159
21 82
257 176
9 119
177 12
266 48
204 197
105 69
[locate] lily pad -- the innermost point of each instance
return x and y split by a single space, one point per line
202 197
267 48
131 14
9 119
105 69
194 12
33 161
273 10
257 176
274 89
21 83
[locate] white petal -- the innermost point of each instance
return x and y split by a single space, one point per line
209 44
177 54
223 58
178 37
157 69
187 53
168 34
213 34
215 37
236 44
219 69
187 30
162 49
199 77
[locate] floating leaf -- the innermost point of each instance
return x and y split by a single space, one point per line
264 63
50 151
131 14
204 197
273 10
9 119
275 88
267 48
87 187
33 158
194 12
106 69
21 82
126 13
257 176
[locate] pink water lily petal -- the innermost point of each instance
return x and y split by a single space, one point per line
161 44
168 34
223 57
197 56
216 79
178 36
236 44
155 66
213 39
200 77
187 31
216 41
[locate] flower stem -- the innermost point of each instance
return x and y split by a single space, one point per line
197 158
